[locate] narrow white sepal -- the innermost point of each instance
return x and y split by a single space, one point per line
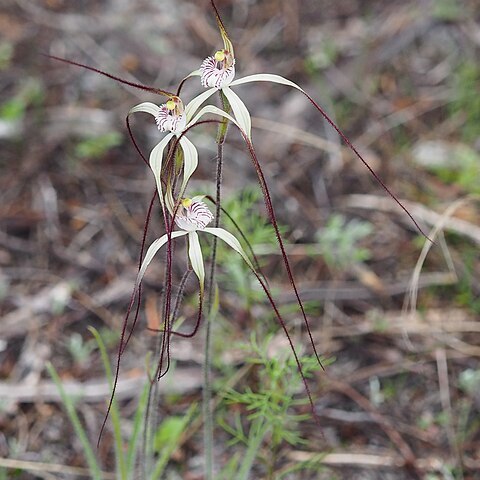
151 252
155 161
147 107
215 111
195 73
239 110
169 201
196 258
266 77
195 104
231 241
190 161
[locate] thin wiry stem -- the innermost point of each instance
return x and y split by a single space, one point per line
158 91
140 259
180 293
133 140
360 157
153 392
207 366
123 341
273 221
207 362
195 328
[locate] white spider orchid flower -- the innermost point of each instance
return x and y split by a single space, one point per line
192 217
218 72
174 118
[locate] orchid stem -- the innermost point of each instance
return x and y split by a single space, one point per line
207 367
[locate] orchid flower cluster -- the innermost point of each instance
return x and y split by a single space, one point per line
174 161
217 74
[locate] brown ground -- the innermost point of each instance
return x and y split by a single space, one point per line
402 399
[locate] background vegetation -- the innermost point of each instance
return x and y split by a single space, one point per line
400 397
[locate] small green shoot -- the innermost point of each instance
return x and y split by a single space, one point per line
167 439
270 410
29 92
96 147
6 54
339 242
448 10
79 349
466 85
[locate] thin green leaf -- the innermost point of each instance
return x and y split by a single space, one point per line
114 410
258 431
77 425
172 444
147 107
196 258
134 441
195 104
240 111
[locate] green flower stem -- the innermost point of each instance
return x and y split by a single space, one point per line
207 366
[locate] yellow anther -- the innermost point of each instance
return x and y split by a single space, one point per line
220 55
171 105
186 202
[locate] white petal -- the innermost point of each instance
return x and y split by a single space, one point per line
231 241
151 252
185 223
199 214
195 73
266 77
195 217
194 105
147 107
155 161
169 122
215 111
190 161
169 201
196 258
212 76
240 110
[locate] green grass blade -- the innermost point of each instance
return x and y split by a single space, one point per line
172 443
77 425
134 444
258 430
114 410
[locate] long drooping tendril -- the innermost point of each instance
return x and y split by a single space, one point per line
140 86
